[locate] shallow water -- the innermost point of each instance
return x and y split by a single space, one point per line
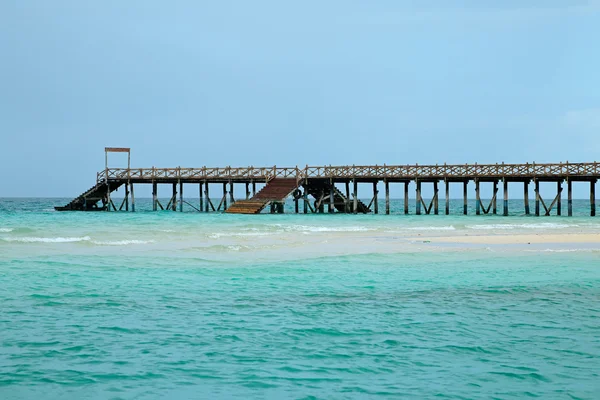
186 305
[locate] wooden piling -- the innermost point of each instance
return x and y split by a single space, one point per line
253 188
375 200
132 198
174 198
526 196
537 198
477 198
418 192
465 204
435 198
494 202
570 198
207 193
108 201
201 197
154 195
447 197
331 197
406 197
505 208
224 196
305 199
559 198
355 206
387 196
593 198
231 198
126 197
247 190
180 196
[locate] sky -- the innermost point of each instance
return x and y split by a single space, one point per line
198 83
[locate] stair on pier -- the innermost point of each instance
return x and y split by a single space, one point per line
322 192
88 200
276 190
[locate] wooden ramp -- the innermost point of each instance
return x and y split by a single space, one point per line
88 200
276 190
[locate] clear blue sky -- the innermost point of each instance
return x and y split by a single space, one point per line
193 83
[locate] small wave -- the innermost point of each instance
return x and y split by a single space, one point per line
566 250
6 230
431 228
308 228
46 240
121 242
546 225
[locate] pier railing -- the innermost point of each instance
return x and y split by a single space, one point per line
442 171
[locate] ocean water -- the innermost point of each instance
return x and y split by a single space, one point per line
153 305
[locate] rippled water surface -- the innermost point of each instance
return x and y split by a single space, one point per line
171 305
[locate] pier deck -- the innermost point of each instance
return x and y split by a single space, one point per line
314 187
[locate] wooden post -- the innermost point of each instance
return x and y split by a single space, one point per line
465 205
180 196
253 188
201 197
248 190
559 196
331 197
126 197
494 203
505 183
132 198
296 207
224 196
537 198
593 198
305 199
477 198
154 195
174 198
375 200
435 198
418 197
207 193
231 192
526 196
406 197
108 194
570 197
387 196
355 207
447 197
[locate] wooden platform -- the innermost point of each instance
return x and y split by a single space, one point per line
275 192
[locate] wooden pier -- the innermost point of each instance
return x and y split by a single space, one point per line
314 190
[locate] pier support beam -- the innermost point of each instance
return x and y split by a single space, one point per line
447 197
253 188
331 196
180 196
537 198
201 197
355 206
418 208
435 198
505 208
231 199
174 198
108 201
494 202
247 190
465 204
387 197
375 200
406 197
526 196
477 198
305 199
559 198
132 198
154 195
224 201
593 198
126 197
207 193
570 198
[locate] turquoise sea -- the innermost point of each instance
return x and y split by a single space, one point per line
169 305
